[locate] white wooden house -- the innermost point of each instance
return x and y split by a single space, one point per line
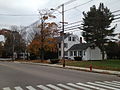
73 47
69 41
85 51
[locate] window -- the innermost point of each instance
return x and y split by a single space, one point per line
66 53
69 38
75 53
84 53
80 53
59 53
59 45
65 45
73 38
71 53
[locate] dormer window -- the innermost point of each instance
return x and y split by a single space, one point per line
69 38
73 38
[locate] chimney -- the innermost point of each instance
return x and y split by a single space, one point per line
81 40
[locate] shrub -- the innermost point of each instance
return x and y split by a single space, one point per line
32 56
78 58
53 61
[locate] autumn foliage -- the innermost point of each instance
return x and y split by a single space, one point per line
45 39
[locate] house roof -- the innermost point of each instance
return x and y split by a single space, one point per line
59 39
79 47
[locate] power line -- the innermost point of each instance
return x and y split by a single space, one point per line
35 23
78 25
71 27
66 3
81 21
116 21
74 23
19 15
79 5
116 11
117 18
66 10
75 29
71 1
38 14
117 15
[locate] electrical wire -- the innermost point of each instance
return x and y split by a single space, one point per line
117 15
116 11
66 3
116 21
74 23
117 18
38 14
70 27
70 1
19 15
78 5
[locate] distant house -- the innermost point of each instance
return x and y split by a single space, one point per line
73 48
85 51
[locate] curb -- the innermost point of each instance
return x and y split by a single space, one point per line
75 68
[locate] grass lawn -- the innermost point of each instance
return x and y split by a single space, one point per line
105 64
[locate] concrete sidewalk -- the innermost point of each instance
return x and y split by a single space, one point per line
76 68
5 59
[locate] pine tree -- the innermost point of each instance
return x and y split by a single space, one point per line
96 26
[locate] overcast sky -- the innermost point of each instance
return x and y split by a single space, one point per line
23 7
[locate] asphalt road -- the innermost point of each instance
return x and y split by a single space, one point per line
16 74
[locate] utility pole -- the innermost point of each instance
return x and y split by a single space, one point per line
63 34
62 48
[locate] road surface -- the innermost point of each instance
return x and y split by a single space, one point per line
16 76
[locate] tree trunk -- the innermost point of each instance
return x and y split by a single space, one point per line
42 54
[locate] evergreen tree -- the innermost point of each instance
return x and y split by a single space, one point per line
96 26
